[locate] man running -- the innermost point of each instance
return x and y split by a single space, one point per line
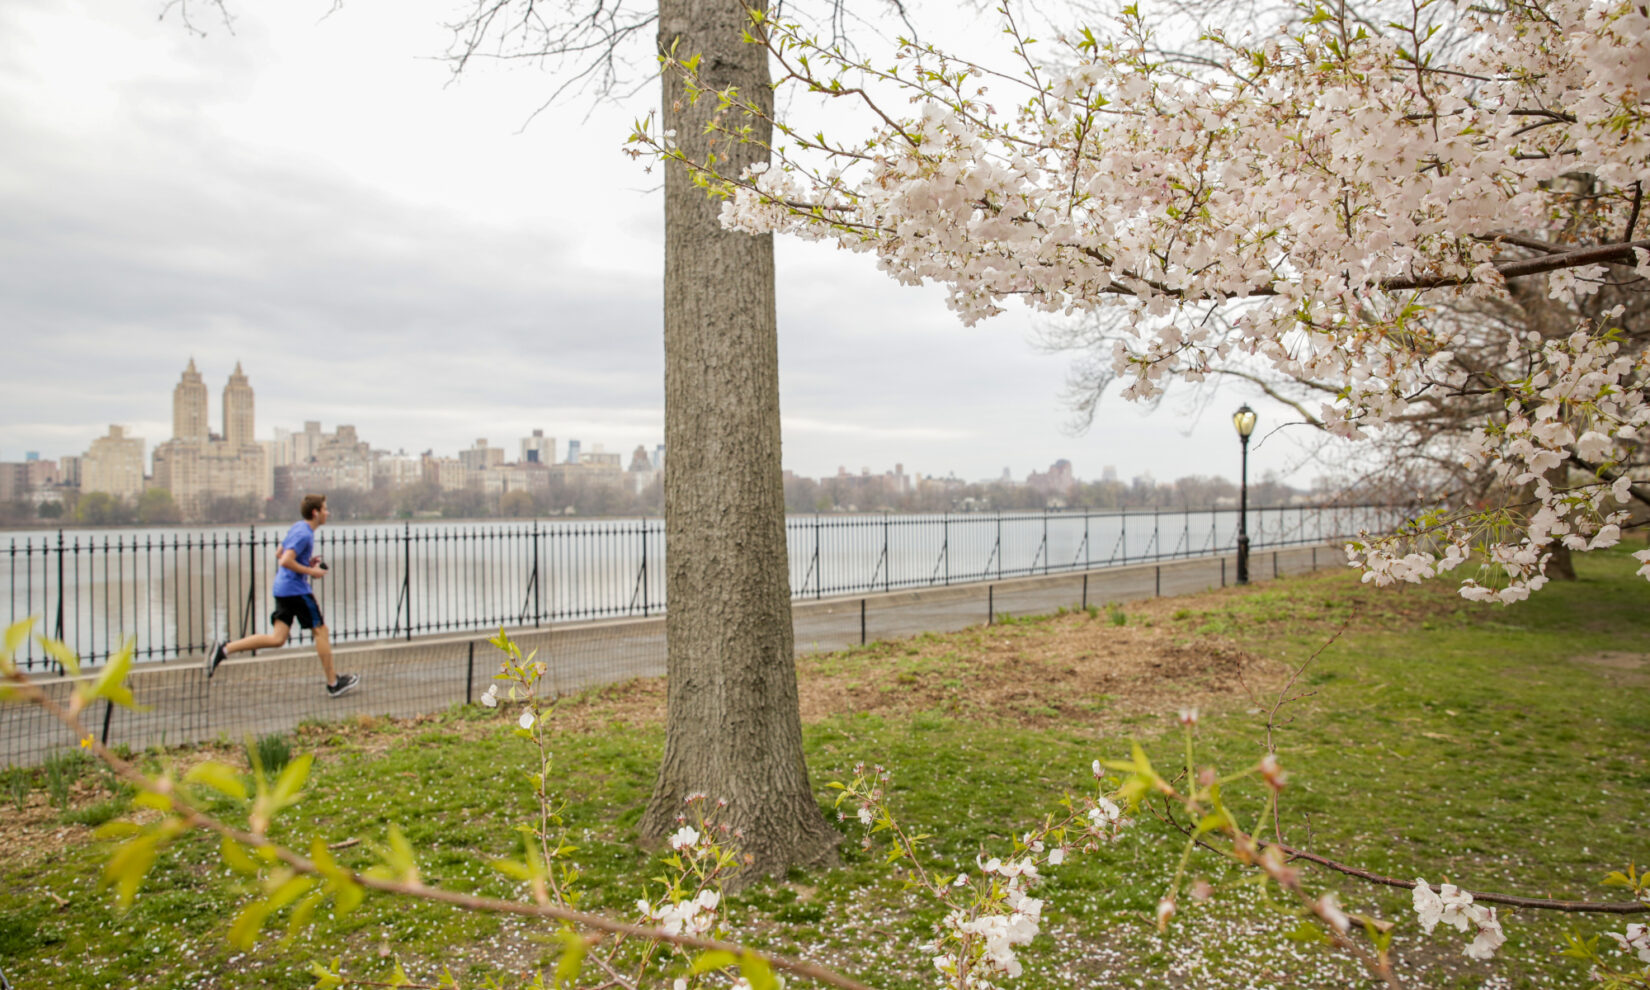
294 600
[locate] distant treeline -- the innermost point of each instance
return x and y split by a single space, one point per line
425 500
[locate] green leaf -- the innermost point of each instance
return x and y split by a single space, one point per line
301 916
243 934
16 635
289 891
237 859
1215 821
60 652
111 683
292 778
713 960
1308 933
757 973
218 776
326 977
129 865
399 857
347 894
347 897
399 977
511 868
116 830
153 799
572 958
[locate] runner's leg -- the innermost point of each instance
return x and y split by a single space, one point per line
273 639
323 649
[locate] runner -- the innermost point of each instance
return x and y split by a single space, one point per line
294 600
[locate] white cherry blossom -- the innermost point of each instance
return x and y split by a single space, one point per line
1325 196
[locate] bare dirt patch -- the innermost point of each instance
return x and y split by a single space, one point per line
1620 669
1071 670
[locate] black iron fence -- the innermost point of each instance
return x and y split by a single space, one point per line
174 591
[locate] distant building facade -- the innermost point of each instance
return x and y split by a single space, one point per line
538 449
20 480
482 457
114 464
324 462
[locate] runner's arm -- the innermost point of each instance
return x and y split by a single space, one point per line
289 560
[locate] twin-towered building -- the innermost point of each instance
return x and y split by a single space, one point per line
197 465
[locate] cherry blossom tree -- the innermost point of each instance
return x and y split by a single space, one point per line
1308 201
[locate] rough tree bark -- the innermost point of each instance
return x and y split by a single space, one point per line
733 726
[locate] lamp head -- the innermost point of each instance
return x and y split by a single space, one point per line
1244 420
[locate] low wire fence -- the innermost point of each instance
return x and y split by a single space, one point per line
275 690
173 592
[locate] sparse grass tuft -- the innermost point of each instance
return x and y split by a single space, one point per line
272 753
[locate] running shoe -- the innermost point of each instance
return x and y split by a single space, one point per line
215 654
343 685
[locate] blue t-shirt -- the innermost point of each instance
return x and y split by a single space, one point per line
300 539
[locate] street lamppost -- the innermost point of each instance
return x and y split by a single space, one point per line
1244 420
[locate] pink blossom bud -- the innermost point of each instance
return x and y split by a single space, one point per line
1165 911
1272 772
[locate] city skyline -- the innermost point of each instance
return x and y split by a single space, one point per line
308 196
191 425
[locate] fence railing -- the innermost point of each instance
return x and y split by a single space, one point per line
175 591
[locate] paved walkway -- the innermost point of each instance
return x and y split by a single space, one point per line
281 688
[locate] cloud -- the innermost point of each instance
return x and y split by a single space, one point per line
795 425
311 197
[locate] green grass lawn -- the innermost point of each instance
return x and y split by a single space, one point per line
1501 748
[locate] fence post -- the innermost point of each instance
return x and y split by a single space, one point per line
945 547
406 573
251 579
862 622
108 713
644 566
1157 590
990 605
538 579
58 634
819 562
887 562
1223 572
470 673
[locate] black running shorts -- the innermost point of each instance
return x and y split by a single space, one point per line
297 609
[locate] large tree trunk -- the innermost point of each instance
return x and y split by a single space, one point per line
733 727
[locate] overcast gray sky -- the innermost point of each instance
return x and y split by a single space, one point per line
378 245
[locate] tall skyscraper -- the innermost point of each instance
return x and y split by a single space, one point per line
237 409
189 407
572 452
